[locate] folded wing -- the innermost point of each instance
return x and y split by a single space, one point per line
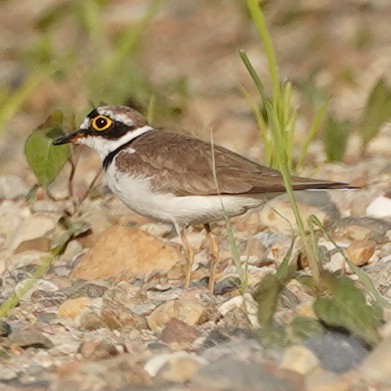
187 166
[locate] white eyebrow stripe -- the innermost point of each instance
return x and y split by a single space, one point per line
120 117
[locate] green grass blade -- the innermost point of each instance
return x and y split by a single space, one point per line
259 20
263 128
14 299
257 81
313 131
242 271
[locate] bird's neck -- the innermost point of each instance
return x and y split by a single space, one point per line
108 149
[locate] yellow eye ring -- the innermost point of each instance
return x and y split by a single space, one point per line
101 123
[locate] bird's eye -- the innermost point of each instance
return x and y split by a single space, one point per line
101 123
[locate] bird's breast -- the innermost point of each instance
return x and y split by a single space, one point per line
136 191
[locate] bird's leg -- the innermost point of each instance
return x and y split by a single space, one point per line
189 253
190 258
214 256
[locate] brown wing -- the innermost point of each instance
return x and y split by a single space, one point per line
183 165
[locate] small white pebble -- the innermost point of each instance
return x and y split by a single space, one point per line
379 207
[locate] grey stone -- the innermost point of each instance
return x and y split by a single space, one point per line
336 351
234 375
12 187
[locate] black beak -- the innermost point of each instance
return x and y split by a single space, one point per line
69 138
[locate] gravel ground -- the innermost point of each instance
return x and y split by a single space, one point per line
111 313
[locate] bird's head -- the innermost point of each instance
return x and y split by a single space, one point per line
106 128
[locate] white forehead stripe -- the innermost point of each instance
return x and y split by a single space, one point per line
120 117
85 124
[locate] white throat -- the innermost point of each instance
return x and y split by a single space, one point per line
104 146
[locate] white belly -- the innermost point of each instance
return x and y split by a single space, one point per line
136 193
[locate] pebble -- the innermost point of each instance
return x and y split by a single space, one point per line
43 206
157 229
61 271
179 369
87 288
166 295
91 321
377 365
360 228
155 364
243 349
97 350
336 263
125 294
360 252
234 375
47 317
65 348
331 245
26 338
38 244
380 207
72 250
12 187
122 249
337 352
189 312
255 247
298 358
72 308
6 373
43 358
10 217
246 303
120 317
316 203
33 227
26 259
321 380
178 331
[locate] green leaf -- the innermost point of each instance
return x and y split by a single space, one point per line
273 336
45 159
287 269
378 111
271 286
313 131
335 139
304 327
267 297
348 308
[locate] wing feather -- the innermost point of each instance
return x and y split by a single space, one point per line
182 165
